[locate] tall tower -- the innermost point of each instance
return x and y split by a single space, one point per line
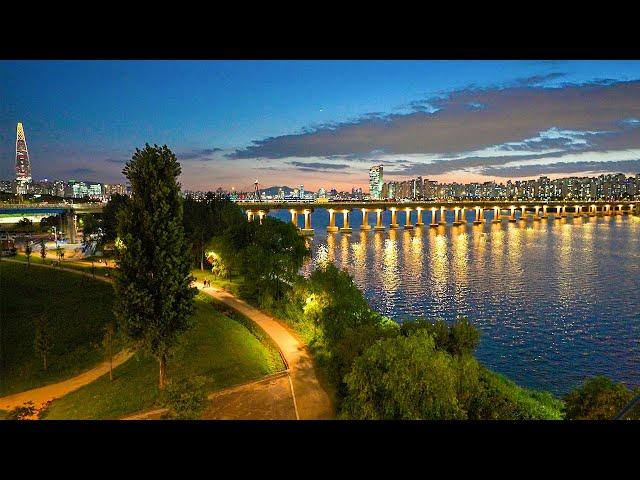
23 164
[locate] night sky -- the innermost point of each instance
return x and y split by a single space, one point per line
321 123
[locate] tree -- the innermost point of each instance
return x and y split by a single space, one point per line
109 216
461 337
109 334
90 225
406 378
599 398
43 250
43 341
59 253
273 256
343 305
28 251
154 299
25 225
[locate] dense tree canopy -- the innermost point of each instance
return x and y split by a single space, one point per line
599 398
109 216
154 298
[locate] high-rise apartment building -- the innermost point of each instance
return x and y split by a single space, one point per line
375 182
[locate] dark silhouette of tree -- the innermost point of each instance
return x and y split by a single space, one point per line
154 299
43 341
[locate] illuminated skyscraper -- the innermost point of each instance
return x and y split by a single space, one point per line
23 165
375 182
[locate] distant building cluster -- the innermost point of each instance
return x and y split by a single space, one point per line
603 187
23 183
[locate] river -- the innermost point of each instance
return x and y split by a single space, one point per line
556 301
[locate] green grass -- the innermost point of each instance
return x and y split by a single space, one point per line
218 348
77 309
83 265
231 284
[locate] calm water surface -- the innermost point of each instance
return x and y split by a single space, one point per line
556 300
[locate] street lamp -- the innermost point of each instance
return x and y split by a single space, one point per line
55 234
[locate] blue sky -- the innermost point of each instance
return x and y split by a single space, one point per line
323 123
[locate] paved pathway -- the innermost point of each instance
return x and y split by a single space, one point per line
310 398
41 395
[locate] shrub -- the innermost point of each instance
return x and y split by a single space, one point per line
406 377
599 398
185 398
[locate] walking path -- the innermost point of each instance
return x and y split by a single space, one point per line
310 399
42 395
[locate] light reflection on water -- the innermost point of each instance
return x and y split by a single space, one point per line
556 300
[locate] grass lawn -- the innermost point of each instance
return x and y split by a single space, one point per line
231 284
83 265
218 348
77 309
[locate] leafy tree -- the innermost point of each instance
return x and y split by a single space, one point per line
599 398
272 259
43 250
28 251
90 226
107 342
24 225
461 337
59 253
343 305
501 399
109 216
43 341
186 398
405 377
154 299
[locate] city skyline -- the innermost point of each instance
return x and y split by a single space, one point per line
232 122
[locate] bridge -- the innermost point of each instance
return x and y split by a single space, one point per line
517 211
13 212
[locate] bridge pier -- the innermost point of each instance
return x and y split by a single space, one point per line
394 222
478 219
496 215
365 220
308 229
536 216
434 217
523 214
456 218
379 227
407 220
419 221
443 217
345 222
332 221
558 214
512 217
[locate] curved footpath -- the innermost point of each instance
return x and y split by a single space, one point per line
311 399
42 395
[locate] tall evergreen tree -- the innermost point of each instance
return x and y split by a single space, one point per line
154 298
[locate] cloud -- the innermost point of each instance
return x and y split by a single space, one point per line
317 166
592 167
473 129
202 154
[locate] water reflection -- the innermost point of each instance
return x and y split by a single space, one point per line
556 300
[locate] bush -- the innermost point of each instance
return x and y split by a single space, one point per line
599 398
406 377
458 339
501 399
186 398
